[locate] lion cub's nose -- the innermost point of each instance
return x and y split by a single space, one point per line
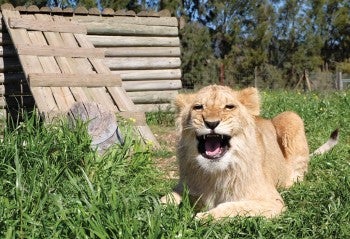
211 124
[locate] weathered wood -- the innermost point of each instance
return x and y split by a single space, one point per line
151 21
132 47
127 29
151 85
56 40
46 50
3 113
12 78
33 9
120 41
102 124
16 101
37 25
166 74
120 63
155 107
108 12
118 93
141 51
10 64
5 38
43 97
18 89
77 65
73 80
62 95
8 51
152 97
81 10
3 103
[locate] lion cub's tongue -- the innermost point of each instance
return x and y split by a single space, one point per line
212 146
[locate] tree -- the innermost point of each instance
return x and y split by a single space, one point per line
198 62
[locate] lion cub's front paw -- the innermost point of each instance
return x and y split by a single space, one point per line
203 216
171 198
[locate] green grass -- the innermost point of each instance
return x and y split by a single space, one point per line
53 185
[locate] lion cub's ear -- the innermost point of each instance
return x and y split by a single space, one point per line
182 100
250 98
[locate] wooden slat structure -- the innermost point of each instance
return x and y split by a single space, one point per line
62 67
142 48
144 51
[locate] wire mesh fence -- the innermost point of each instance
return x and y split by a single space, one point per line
319 81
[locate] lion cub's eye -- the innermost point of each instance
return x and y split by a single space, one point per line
198 107
230 106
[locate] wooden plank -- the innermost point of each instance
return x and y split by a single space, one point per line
97 94
152 97
3 103
46 50
118 93
8 51
125 41
39 25
155 107
73 80
5 39
18 89
141 51
49 65
129 29
3 116
55 39
15 101
148 21
152 85
12 78
129 75
13 64
43 96
10 64
119 63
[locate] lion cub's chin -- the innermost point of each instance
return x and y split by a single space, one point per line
216 165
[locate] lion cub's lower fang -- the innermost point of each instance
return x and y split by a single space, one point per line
230 159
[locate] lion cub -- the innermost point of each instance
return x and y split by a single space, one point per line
230 159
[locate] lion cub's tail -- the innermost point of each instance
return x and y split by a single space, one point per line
332 141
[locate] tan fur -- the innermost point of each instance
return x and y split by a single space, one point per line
263 154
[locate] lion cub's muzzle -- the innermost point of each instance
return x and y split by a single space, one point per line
213 146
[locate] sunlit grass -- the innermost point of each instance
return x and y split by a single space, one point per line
53 185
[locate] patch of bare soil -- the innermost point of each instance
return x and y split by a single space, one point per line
166 159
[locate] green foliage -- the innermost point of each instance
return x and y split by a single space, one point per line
53 185
161 118
198 63
282 39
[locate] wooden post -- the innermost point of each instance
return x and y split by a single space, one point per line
102 124
306 81
339 80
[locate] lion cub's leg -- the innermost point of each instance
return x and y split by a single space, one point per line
292 140
171 198
253 208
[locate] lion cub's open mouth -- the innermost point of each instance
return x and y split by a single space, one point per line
213 146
